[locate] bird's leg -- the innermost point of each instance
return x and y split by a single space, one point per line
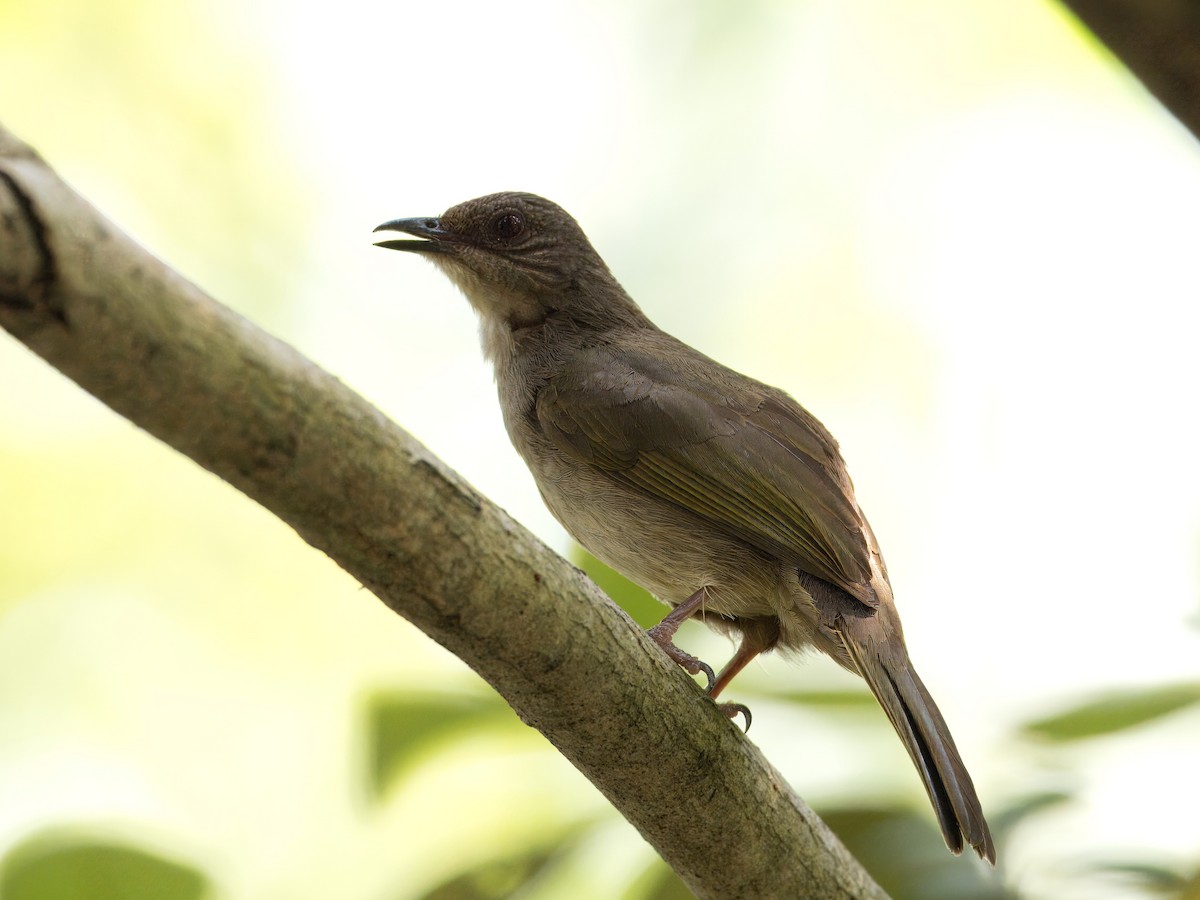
746 651
664 631
750 647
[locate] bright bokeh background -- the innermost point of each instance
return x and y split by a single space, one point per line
958 233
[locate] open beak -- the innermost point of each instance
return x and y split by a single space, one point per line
434 238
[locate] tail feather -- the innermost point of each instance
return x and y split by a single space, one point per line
886 668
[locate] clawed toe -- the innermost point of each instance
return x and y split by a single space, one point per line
684 660
663 633
708 673
733 710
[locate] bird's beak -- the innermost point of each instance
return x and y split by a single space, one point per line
435 238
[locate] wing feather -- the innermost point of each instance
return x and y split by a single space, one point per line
741 455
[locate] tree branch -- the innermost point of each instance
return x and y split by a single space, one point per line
249 408
1158 41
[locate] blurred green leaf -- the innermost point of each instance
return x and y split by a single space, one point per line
1117 711
1150 878
637 601
658 882
1016 812
494 879
67 867
904 853
834 701
512 875
402 727
1191 889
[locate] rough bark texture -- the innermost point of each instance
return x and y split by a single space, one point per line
1159 40
249 408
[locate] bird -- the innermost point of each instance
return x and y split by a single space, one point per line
719 494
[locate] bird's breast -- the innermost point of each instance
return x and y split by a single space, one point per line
664 549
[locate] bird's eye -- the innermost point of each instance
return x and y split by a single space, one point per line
508 226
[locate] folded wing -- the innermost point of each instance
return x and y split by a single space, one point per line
741 455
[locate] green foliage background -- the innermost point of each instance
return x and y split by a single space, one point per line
195 704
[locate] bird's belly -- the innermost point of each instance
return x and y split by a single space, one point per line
668 551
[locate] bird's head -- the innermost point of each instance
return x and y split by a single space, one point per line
518 257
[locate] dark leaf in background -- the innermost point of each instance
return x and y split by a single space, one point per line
493 880
658 882
66 866
504 877
1114 712
638 602
905 854
401 728
1004 821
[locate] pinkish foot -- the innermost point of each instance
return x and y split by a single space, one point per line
662 636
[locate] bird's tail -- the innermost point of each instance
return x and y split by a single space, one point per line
882 660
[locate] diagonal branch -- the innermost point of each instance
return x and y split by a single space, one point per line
1159 42
249 408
